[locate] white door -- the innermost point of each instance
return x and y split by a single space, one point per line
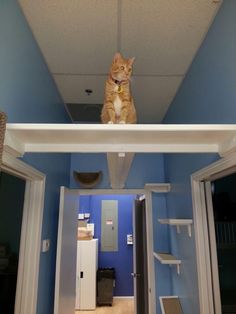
64 301
87 261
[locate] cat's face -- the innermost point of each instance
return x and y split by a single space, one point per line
121 69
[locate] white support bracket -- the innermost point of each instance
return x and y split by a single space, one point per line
13 146
158 187
188 227
119 165
228 146
178 269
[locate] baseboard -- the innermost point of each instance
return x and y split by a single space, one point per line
123 297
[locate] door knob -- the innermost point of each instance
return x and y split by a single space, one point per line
135 275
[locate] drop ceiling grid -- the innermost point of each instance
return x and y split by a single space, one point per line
73 88
76 36
152 95
79 37
164 35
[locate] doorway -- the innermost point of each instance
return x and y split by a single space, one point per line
127 257
11 212
214 220
30 239
224 215
69 203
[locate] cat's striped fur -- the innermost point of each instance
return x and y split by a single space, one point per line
118 104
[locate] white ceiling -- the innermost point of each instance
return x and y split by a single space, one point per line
78 39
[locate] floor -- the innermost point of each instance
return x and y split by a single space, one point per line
120 306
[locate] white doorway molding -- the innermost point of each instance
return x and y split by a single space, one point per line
208 284
149 228
147 191
30 242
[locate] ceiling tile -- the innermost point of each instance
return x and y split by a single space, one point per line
164 35
75 36
152 96
78 39
72 88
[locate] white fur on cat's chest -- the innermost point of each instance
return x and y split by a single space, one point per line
117 105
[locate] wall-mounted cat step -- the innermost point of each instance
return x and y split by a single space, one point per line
178 223
168 259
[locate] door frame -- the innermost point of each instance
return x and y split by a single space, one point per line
208 281
30 240
149 227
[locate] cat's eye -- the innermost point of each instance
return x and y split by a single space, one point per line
122 68
129 70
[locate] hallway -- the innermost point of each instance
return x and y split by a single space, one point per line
120 306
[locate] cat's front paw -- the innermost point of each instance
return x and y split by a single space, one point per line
110 122
122 122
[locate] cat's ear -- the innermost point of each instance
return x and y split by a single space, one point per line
131 61
117 57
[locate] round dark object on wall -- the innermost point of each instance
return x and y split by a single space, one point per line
88 179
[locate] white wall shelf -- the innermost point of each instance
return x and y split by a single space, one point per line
168 259
116 138
158 187
178 223
122 141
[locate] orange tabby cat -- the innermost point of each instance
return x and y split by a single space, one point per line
119 105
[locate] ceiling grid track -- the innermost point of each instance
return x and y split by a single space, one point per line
78 40
119 9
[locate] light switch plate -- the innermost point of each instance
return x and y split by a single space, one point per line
81 216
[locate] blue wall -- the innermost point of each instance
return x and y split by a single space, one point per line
27 90
28 94
207 95
56 167
122 260
146 168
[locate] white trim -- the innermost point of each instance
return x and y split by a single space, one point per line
123 297
58 255
19 169
30 242
213 249
152 188
111 191
202 249
212 172
216 170
150 260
